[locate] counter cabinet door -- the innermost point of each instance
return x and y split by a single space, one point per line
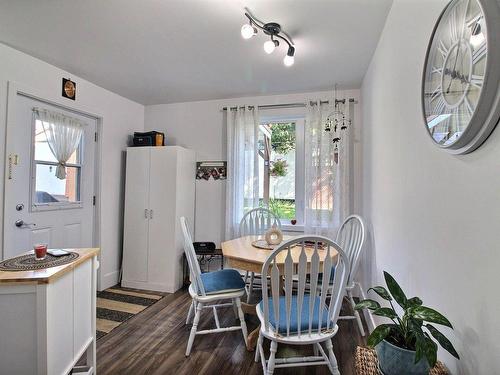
84 309
59 322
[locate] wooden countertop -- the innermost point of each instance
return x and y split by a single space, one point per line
47 275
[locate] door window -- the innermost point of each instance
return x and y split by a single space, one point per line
50 192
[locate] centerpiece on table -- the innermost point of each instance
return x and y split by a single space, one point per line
272 238
405 346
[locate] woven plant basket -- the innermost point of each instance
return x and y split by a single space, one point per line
366 363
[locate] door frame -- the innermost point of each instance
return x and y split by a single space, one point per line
14 89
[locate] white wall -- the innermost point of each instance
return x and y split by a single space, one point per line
434 216
200 127
120 117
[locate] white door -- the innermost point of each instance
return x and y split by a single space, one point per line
39 207
137 215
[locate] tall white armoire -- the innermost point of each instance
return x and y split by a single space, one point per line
159 189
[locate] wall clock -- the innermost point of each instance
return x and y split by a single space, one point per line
460 85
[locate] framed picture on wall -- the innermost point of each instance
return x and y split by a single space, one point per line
206 170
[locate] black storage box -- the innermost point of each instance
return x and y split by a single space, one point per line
204 247
152 138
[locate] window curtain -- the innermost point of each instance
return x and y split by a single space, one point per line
63 136
242 189
327 187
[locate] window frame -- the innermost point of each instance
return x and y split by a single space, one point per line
299 120
54 206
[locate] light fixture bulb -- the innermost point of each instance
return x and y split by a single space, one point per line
269 46
288 60
247 31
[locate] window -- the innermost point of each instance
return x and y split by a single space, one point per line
281 169
49 192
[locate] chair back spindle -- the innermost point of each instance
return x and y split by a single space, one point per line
322 300
257 221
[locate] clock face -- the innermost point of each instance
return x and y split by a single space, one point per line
455 70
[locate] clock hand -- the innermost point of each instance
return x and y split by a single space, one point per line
453 71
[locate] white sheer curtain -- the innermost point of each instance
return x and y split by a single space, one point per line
63 136
327 173
242 189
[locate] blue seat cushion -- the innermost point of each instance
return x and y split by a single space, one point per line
304 315
223 281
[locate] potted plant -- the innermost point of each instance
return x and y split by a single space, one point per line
279 168
405 346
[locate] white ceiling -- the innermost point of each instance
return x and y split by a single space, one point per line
164 51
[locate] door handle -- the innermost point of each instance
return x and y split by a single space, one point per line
146 213
150 214
21 224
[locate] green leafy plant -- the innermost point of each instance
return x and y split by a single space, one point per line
283 208
278 168
412 330
283 137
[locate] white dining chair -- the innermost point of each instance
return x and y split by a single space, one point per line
351 237
301 316
256 222
210 287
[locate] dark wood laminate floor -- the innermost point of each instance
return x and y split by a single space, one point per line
154 342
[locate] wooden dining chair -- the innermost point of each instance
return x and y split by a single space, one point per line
301 316
256 222
351 237
210 287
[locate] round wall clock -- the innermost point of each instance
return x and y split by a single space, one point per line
460 85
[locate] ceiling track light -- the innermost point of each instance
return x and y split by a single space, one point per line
275 32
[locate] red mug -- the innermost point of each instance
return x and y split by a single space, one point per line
40 251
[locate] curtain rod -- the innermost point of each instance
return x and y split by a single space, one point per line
291 105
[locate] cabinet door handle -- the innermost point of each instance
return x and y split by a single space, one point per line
150 214
146 213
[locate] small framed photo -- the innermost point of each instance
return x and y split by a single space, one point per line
217 170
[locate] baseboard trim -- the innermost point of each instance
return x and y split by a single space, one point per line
159 287
108 280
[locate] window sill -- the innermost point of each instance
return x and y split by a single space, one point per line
292 228
55 206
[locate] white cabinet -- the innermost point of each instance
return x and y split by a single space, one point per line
47 318
159 189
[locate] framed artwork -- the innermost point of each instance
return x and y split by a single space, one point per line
206 170
68 89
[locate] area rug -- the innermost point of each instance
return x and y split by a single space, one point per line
117 305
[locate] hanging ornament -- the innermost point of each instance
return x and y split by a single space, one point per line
335 134
336 120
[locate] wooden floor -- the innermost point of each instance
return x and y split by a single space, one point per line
154 342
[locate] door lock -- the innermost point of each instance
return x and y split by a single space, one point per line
21 224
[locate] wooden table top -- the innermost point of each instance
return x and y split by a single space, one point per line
243 255
47 275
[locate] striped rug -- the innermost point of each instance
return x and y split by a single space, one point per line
116 305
